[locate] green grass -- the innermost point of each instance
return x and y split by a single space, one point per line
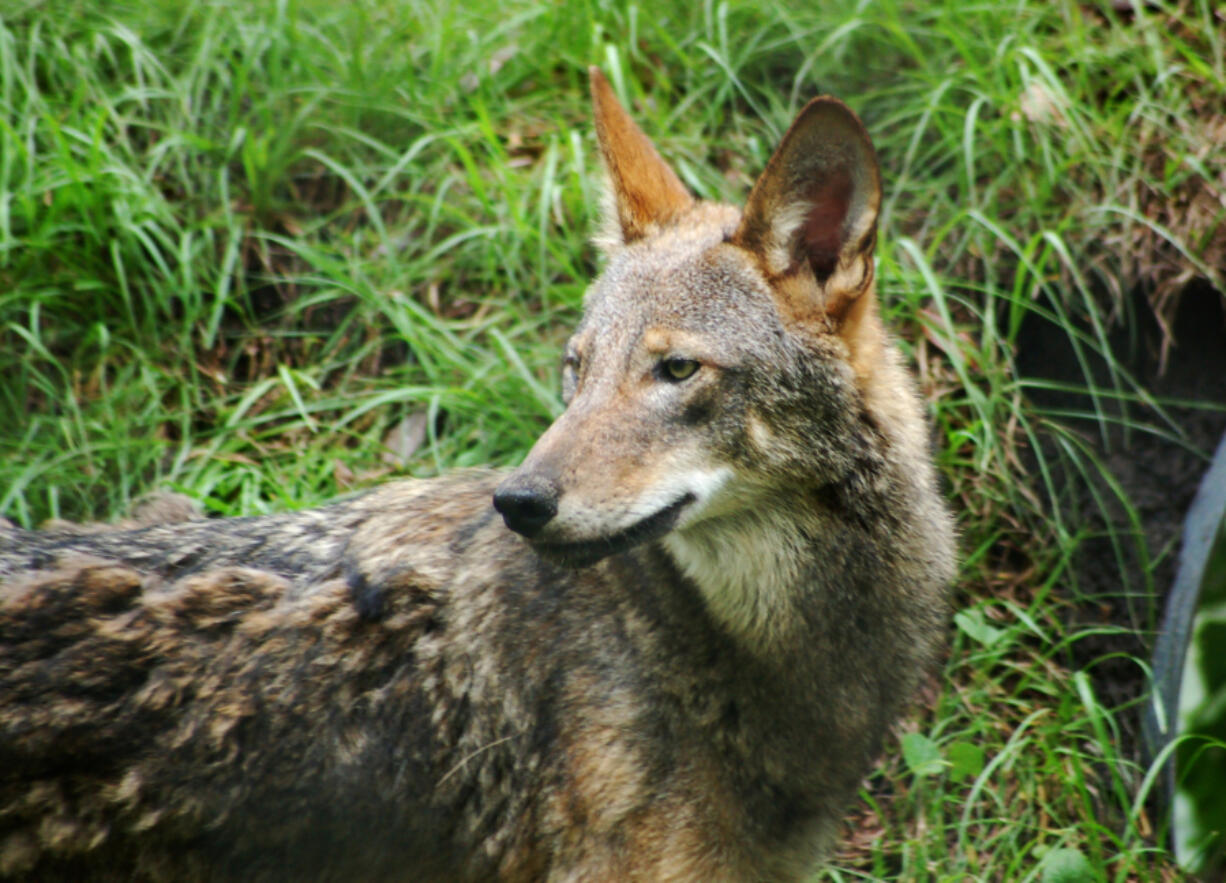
242 242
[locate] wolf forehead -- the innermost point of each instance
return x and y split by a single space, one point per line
655 280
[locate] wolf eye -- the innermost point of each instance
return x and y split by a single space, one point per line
678 369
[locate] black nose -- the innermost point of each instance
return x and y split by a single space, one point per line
526 505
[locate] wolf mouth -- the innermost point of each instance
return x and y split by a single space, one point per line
587 552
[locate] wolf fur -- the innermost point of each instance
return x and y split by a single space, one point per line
725 573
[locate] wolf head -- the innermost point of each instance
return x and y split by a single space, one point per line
724 357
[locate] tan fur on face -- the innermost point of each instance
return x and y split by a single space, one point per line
669 341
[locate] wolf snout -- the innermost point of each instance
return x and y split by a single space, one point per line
527 503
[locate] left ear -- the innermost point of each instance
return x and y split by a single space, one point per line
815 206
644 192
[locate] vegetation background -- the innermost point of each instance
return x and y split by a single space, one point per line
264 253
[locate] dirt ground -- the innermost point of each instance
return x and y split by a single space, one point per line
1159 474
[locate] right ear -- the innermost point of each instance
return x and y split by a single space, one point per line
815 206
643 192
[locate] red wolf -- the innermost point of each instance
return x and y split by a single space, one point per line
715 582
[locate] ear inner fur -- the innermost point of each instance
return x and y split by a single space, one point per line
820 237
646 192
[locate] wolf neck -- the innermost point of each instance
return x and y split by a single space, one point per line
752 570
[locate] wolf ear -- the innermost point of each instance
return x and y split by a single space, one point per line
816 204
643 190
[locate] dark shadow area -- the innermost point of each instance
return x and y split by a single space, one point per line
1155 456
